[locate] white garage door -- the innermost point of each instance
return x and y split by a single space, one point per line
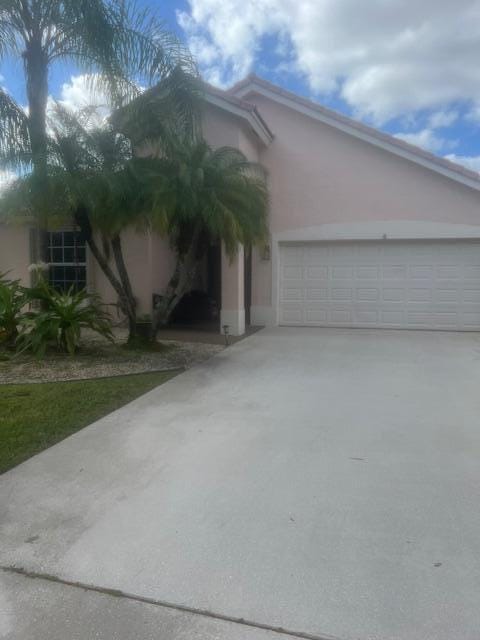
404 285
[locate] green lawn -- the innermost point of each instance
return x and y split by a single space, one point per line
35 416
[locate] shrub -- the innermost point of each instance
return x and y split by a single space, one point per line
61 319
13 298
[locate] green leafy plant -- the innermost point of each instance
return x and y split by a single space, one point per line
61 320
13 298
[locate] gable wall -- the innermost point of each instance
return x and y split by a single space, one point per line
320 175
325 184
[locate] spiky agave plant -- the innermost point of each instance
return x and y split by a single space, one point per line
61 319
13 298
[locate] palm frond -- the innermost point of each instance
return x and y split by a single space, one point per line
8 27
218 190
124 45
162 116
145 46
14 136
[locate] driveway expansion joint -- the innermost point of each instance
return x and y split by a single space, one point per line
117 593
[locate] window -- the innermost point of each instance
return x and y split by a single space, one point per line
68 260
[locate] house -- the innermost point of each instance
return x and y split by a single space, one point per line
366 230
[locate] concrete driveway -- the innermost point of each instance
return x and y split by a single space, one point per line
323 481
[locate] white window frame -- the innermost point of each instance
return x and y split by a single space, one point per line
76 263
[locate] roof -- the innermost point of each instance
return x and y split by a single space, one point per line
242 108
254 84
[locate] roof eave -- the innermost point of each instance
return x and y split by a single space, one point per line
250 115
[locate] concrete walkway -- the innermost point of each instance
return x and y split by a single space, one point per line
323 481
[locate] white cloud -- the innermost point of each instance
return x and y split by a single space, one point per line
224 35
471 162
474 114
442 119
427 139
386 58
82 92
6 178
77 94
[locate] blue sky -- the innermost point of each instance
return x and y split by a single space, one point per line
410 69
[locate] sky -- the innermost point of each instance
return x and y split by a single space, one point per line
408 67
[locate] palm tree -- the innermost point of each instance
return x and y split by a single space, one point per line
91 183
201 196
120 44
191 193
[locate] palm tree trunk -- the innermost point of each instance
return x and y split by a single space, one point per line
130 301
36 72
124 296
180 283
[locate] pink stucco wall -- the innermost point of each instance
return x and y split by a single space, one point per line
15 252
150 263
249 144
219 128
320 175
138 257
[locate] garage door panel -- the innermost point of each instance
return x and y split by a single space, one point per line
367 272
393 294
420 295
367 294
470 319
342 273
316 316
471 295
367 317
432 285
316 294
292 273
450 272
292 315
394 318
314 273
423 318
292 293
394 272
421 272
368 254
341 316
341 293
447 295
338 255
472 272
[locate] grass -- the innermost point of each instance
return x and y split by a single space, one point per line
33 417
